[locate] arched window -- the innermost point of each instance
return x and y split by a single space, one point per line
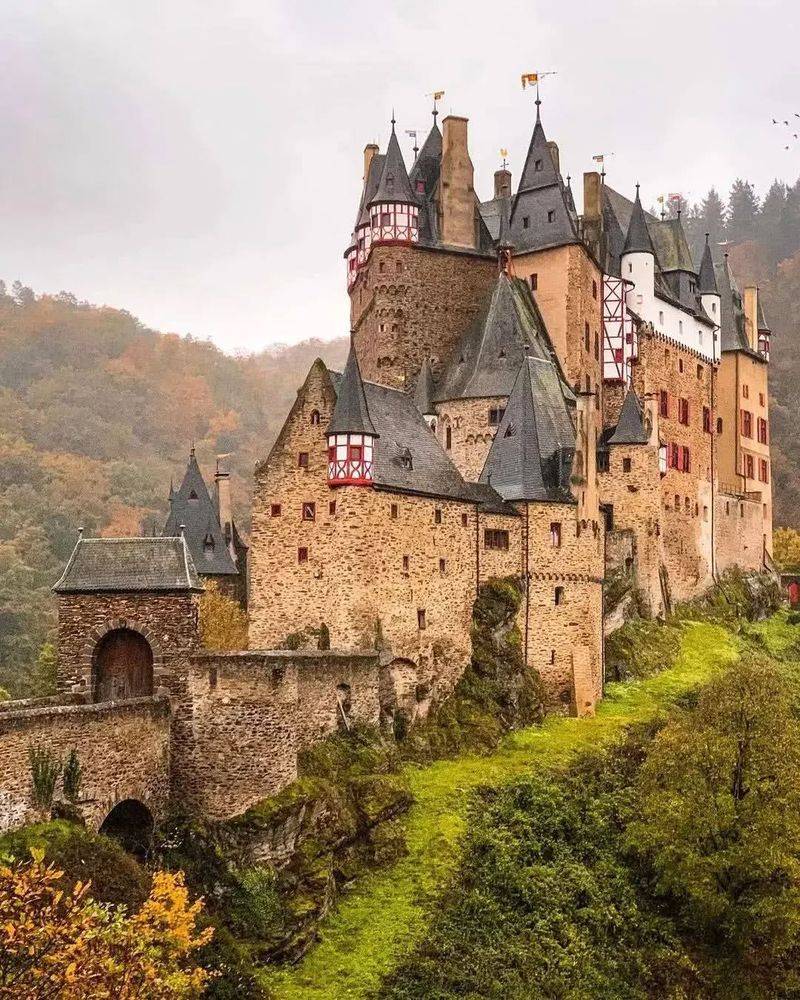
123 666
315 417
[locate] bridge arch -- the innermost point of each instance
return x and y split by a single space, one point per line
131 824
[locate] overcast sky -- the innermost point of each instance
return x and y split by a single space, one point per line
198 162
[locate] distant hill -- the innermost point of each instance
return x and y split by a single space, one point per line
97 413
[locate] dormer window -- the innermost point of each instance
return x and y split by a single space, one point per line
551 215
420 187
538 166
511 430
208 545
315 417
526 221
406 460
193 498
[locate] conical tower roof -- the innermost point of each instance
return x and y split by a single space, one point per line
707 279
423 394
630 427
504 240
532 453
350 414
539 170
191 505
393 184
429 161
638 237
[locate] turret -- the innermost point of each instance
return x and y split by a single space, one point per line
707 286
764 331
351 434
356 254
638 258
423 394
393 209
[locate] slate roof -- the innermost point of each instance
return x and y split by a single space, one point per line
121 564
763 325
733 336
423 393
487 359
191 506
393 183
630 427
370 187
541 192
637 239
351 413
707 283
403 434
672 248
531 456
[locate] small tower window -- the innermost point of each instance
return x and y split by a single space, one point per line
406 564
302 554
465 520
332 508
558 596
496 415
315 417
421 623
208 545
437 516
275 510
193 498
555 534
420 187
442 566
309 511
406 460
626 465
534 280
302 460
448 438
551 215
719 425
538 166
394 511
594 289
526 221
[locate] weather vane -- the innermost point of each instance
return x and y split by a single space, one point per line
437 95
504 154
412 133
533 79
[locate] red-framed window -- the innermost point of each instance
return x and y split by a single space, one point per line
302 554
309 512
674 456
495 538
749 466
763 470
663 403
747 424
302 460
706 420
683 411
555 534
686 461
762 431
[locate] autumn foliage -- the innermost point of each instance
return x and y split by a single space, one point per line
223 623
57 943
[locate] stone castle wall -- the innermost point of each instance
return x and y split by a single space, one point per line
738 530
471 434
123 749
410 302
167 620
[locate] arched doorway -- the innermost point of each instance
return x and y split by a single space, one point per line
123 666
130 823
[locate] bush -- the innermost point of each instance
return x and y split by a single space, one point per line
640 648
738 596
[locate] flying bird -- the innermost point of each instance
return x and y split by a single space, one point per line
774 121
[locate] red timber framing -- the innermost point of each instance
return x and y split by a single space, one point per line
619 338
350 459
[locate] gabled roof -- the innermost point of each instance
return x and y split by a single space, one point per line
532 453
487 359
351 413
733 336
120 564
707 279
191 506
671 245
393 183
423 393
637 239
407 455
540 195
630 427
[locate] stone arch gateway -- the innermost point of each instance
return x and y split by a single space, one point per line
122 666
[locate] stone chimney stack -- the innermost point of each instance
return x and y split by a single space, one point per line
593 209
502 183
456 192
553 147
369 151
750 304
223 484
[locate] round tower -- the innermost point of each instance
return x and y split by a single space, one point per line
637 261
393 209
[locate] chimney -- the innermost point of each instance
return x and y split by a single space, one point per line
592 208
502 183
553 147
223 483
750 302
369 151
456 193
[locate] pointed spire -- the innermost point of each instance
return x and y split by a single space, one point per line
504 240
393 185
707 279
539 169
638 237
423 394
630 427
350 414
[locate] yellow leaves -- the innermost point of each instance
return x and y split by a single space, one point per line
786 548
223 624
61 943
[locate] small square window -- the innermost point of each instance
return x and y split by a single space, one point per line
496 415
551 215
394 511
555 534
437 516
443 566
332 508
275 510
538 166
534 281
302 554
465 519
406 563
558 596
594 289
421 623
526 221
302 460
309 511
626 465
420 187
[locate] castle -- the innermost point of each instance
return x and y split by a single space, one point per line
530 391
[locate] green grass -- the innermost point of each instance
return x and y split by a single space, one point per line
384 915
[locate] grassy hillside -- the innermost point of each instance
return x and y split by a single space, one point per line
97 412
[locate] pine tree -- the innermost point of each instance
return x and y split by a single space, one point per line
713 215
742 212
770 220
789 225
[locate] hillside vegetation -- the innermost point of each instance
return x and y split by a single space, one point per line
97 413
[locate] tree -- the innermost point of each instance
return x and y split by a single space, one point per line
718 804
60 943
742 212
770 219
223 624
786 548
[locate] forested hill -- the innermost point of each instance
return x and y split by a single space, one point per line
97 413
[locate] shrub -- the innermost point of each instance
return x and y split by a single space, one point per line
45 769
72 777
